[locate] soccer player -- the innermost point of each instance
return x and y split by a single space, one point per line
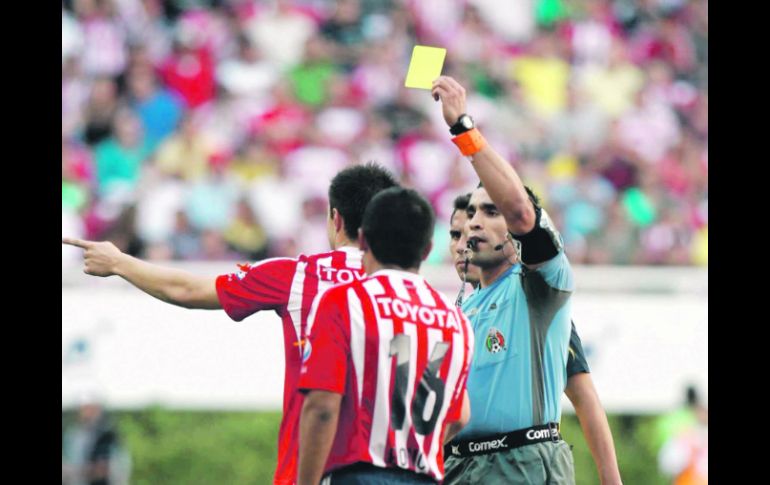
284 285
580 387
388 360
521 317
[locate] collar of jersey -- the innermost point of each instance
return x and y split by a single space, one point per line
397 272
515 269
348 249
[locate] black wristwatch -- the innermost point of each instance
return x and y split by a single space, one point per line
464 123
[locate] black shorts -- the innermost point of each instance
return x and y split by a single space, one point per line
368 474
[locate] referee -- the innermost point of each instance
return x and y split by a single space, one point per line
580 387
520 317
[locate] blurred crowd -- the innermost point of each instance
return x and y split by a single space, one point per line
209 129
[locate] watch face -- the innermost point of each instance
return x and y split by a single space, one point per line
467 122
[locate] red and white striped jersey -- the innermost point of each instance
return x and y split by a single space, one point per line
288 286
399 352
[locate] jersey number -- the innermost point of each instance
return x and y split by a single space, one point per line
429 383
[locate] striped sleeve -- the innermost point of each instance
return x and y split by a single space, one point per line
262 286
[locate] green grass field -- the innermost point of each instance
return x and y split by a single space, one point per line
205 448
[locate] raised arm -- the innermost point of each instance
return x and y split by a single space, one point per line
501 181
582 393
166 284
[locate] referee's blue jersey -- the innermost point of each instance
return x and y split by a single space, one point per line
522 327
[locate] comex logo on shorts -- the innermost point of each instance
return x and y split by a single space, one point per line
488 445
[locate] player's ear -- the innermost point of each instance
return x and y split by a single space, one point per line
427 250
338 222
362 244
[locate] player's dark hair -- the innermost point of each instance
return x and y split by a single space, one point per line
460 204
352 189
398 227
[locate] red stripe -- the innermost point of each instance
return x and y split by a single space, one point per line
398 328
371 351
339 258
422 362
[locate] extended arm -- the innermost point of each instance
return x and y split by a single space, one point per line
166 284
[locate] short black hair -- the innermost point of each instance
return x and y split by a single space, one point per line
460 204
352 189
398 227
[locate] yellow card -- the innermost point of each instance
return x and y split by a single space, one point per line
425 66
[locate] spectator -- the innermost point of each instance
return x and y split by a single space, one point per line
100 111
189 71
544 75
248 75
345 30
281 20
157 108
592 35
245 235
105 42
119 159
613 87
649 129
91 450
372 75
185 154
311 79
254 162
185 242
210 204
473 40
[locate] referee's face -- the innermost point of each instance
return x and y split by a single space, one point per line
486 227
